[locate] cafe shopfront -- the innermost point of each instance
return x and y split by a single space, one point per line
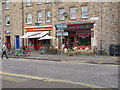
79 35
33 34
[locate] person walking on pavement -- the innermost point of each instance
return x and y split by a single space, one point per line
4 51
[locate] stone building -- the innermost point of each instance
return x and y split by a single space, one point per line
1 33
88 24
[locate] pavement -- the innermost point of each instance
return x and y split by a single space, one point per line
94 59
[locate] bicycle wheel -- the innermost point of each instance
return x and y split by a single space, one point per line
27 53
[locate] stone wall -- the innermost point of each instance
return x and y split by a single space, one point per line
106 27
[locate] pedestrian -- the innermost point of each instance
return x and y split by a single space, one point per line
4 51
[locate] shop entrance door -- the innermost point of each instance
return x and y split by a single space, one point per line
17 42
8 42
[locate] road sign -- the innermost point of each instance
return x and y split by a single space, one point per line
61 26
60 30
62 33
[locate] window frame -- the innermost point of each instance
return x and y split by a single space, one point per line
39 2
73 13
39 17
29 3
7 20
46 16
84 12
61 13
48 1
29 17
7 4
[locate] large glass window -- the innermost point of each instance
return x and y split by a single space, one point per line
73 13
47 16
84 11
84 40
39 17
29 18
45 42
61 15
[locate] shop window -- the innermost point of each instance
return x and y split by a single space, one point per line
39 17
73 13
61 15
7 4
84 11
29 18
45 42
84 40
7 20
48 16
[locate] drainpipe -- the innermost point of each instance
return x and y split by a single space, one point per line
22 22
101 29
3 21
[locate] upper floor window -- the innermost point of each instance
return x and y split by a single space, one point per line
29 2
29 18
39 15
61 15
7 20
84 11
72 13
39 2
7 4
47 1
48 16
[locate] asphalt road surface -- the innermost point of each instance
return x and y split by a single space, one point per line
45 74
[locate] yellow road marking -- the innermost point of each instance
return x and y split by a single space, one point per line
50 80
80 62
14 79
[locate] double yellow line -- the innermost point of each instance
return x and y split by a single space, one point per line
49 79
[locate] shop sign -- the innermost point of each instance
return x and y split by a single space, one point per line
62 33
83 26
83 36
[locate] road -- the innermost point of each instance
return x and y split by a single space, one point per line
29 73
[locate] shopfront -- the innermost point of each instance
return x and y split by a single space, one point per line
34 33
79 35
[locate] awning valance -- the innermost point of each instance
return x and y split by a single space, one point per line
39 35
34 34
47 37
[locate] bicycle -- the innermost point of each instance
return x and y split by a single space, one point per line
22 52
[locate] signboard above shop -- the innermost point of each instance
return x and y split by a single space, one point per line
62 34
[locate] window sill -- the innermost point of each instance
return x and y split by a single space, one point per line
29 23
72 18
29 5
61 19
7 8
7 25
39 3
39 21
84 17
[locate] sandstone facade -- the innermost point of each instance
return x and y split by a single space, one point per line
106 26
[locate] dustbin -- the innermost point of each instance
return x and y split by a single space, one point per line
114 50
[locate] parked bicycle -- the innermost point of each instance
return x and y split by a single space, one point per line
10 51
21 52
